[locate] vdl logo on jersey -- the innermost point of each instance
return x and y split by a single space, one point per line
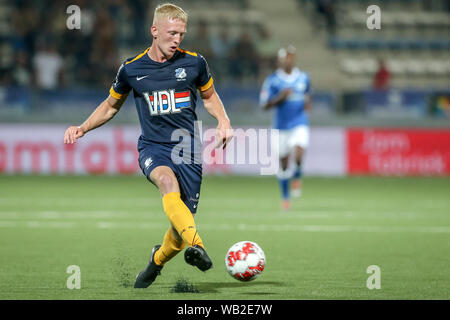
167 101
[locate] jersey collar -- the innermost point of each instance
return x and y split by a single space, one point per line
288 77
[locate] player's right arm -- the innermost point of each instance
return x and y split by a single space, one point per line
268 97
279 98
102 114
308 99
105 111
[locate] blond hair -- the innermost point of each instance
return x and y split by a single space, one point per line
170 11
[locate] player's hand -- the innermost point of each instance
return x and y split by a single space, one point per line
73 133
224 133
285 94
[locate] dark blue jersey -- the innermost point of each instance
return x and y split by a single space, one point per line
165 92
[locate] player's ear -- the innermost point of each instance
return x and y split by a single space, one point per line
154 31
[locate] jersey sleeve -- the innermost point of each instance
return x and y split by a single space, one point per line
204 80
120 86
267 92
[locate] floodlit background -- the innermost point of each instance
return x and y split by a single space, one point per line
376 174
394 77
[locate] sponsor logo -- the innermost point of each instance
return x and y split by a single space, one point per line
167 101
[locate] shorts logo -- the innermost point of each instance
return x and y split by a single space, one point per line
167 101
148 162
180 74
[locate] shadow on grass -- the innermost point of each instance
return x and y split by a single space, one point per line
213 287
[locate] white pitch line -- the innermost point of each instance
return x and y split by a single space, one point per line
50 224
8 224
210 203
222 226
152 200
327 228
129 225
301 214
86 214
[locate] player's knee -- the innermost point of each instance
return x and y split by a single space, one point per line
299 155
166 183
284 164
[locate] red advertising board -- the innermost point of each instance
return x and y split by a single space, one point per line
398 151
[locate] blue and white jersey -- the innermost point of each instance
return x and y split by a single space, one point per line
291 112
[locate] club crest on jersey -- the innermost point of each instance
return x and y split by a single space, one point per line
167 101
180 74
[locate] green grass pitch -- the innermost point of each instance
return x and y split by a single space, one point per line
319 250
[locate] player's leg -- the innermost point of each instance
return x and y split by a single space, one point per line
176 210
297 176
182 229
161 254
172 243
190 180
300 142
284 176
180 215
170 247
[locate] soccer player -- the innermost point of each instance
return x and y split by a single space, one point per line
288 91
164 80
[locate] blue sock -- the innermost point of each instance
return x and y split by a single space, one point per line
284 185
297 173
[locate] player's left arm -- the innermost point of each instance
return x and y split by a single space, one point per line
308 103
214 106
308 99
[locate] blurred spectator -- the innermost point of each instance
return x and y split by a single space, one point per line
244 57
327 10
267 48
21 74
436 5
202 40
382 77
104 55
48 66
222 45
111 30
25 26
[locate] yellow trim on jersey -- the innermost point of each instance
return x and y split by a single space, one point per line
115 94
188 52
207 85
138 56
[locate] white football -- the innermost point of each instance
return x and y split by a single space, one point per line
245 260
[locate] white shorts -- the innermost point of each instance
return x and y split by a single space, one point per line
288 139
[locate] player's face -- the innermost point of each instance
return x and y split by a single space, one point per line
289 61
168 34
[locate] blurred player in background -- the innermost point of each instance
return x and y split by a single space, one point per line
288 91
164 80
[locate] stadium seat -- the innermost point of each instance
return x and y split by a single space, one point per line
396 67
